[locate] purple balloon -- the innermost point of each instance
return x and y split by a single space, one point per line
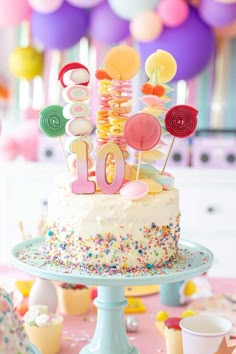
60 29
192 44
106 26
217 14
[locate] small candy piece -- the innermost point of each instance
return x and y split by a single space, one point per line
122 62
52 122
76 109
142 131
164 63
75 93
166 180
101 74
188 313
181 120
173 323
152 100
78 126
134 190
131 323
74 74
154 187
150 156
157 90
31 316
42 320
22 308
162 316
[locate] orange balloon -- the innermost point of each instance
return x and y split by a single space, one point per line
122 62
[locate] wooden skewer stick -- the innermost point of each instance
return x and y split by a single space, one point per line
138 165
64 154
168 155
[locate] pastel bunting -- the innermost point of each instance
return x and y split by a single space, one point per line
75 109
181 121
52 121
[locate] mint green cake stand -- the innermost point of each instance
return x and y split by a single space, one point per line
110 335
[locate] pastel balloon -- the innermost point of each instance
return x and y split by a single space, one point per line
118 27
128 9
142 131
162 62
13 12
217 14
134 190
26 62
71 139
78 126
75 93
191 54
74 74
173 12
146 26
84 3
105 151
181 121
45 6
122 62
75 109
60 29
52 122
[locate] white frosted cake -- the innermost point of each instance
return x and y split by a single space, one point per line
109 230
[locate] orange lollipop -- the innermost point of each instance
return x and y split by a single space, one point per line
122 62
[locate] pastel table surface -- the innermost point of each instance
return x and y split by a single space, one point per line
79 330
193 259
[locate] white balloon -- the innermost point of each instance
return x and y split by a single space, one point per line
127 9
45 6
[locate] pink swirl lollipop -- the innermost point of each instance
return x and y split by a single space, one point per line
181 121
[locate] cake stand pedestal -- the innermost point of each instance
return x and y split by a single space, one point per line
110 335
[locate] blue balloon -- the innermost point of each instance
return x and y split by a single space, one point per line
192 44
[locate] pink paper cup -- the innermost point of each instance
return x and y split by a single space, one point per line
202 334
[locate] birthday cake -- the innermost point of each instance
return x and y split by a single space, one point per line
123 214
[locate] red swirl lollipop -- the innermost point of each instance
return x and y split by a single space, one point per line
181 121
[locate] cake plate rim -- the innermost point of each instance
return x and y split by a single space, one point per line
59 273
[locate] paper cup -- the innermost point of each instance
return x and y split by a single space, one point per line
203 334
47 339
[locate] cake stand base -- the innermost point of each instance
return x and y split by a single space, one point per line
110 334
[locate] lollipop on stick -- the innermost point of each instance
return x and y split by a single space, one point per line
142 132
181 122
52 123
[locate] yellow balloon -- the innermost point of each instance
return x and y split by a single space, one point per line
122 62
26 62
163 63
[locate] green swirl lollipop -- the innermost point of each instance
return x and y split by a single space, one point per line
52 122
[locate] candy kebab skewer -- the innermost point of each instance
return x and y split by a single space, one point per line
74 78
181 122
104 96
121 64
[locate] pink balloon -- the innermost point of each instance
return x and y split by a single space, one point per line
84 3
134 190
45 6
146 26
142 131
173 12
12 12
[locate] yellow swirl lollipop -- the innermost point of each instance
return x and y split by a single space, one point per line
163 63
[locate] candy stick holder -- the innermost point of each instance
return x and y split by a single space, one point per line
110 335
